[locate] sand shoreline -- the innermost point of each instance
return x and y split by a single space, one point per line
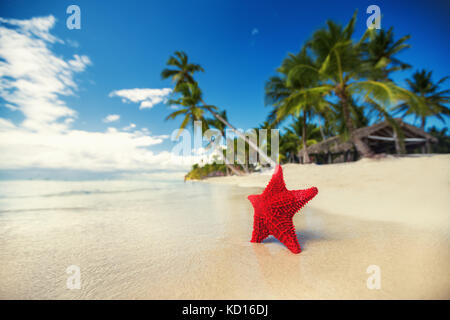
410 190
392 213
192 241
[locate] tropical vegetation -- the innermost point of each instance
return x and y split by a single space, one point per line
335 84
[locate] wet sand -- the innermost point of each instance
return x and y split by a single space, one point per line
195 245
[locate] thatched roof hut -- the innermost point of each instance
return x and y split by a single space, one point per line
380 137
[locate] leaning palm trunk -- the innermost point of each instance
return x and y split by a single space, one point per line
361 147
244 137
304 141
399 136
422 124
229 166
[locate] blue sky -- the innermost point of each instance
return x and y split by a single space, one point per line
239 44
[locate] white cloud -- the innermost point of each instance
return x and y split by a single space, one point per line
83 150
32 81
129 127
146 97
79 63
73 43
111 118
32 77
38 26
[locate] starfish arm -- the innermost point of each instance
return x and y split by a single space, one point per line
290 202
276 183
260 230
283 230
303 196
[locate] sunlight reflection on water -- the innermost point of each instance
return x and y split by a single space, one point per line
157 240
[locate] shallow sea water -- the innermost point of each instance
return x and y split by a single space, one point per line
161 240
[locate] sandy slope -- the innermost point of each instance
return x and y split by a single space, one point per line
193 241
413 190
392 213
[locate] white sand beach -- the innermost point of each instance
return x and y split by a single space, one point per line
142 240
410 190
392 212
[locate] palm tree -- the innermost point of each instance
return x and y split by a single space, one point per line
183 70
220 126
344 74
287 95
217 124
443 145
192 111
335 120
189 102
183 73
289 146
380 52
429 92
291 142
312 131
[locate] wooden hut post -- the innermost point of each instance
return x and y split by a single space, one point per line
397 143
428 146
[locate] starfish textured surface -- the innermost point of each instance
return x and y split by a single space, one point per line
275 208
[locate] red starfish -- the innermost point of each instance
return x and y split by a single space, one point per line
275 208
